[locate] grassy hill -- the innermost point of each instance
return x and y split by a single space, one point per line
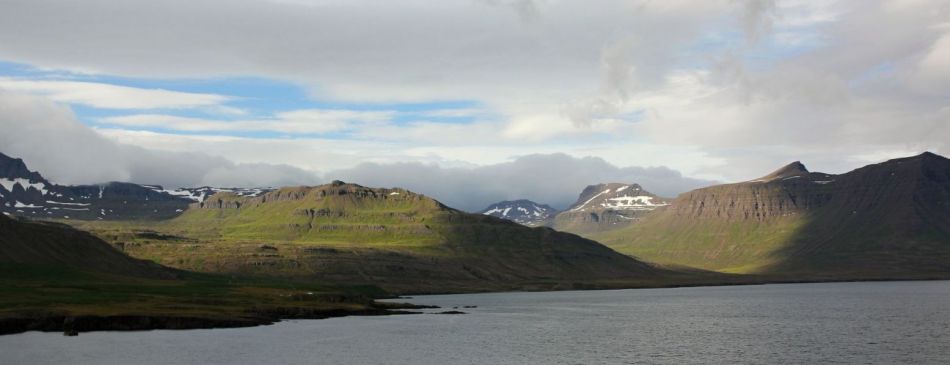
391 237
889 220
56 278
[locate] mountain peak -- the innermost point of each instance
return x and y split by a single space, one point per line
12 168
929 156
793 169
522 211
616 196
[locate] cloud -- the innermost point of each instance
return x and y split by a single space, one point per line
527 10
50 139
73 153
555 179
107 96
306 121
740 86
757 18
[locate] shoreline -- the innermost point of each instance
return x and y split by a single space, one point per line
74 325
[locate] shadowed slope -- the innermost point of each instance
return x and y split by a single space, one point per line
58 245
885 220
890 218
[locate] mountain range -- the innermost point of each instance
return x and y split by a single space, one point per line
393 238
28 193
887 220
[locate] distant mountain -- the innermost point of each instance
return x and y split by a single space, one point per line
608 206
27 193
524 212
390 237
200 193
888 220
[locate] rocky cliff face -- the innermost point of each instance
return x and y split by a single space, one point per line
524 212
608 206
788 191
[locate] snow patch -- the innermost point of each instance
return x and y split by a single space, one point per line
639 202
29 206
24 183
61 203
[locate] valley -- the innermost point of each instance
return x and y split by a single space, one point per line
266 250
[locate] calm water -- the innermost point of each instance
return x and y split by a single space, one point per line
880 323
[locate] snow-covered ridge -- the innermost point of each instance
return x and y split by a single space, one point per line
625 197
25 184
201 193
582 206
639 202
523 212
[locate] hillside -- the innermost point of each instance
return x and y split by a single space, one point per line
605 207
58 245
888 220
390 237
56 278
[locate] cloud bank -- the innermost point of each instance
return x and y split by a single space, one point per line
555 179
721 89
50 139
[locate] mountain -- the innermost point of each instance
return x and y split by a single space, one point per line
608 206
394 238
887 220
27 193
524 212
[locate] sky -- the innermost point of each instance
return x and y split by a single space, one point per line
469 101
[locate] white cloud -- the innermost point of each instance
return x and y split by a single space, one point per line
725 89
306 121
107 96
50 139
555 179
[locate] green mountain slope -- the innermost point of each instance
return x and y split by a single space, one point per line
56 278
889 220
390 237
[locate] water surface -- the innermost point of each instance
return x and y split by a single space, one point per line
880 323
